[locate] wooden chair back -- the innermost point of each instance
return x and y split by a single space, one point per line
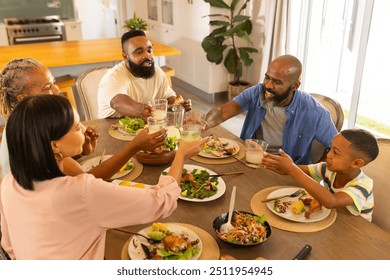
87 87
337 115
377 171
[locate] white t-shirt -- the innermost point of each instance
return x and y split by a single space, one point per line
120 80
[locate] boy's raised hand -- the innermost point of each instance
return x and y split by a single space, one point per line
282 164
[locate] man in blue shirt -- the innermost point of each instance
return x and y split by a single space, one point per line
279 113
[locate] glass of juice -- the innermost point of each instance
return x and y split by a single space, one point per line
193 125
155 125
159 108
254 152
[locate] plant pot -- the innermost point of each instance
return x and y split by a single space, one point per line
234 90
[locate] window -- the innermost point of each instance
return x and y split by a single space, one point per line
345 58
374 98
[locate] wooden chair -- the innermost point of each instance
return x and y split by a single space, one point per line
377 171
65 83
334 108
87 86
337 115
169 73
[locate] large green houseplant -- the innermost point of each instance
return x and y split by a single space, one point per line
136 23
222 43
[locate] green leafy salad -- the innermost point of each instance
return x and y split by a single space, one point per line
198 184
131 125
170 143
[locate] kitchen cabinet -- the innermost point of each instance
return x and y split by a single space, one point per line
161 13
72 30
3 36
181 24
192 66
161 18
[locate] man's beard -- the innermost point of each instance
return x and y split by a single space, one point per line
277 99
142 71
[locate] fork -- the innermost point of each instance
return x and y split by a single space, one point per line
294 194
150 240
227 173
234 157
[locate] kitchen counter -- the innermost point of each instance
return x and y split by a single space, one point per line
72 53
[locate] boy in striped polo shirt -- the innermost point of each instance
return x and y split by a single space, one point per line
344 183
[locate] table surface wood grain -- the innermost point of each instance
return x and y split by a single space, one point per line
70 53
349 238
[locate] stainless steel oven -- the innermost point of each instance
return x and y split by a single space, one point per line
34 30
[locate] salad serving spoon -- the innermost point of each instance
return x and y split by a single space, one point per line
224 228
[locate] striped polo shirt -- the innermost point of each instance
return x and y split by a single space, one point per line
360 189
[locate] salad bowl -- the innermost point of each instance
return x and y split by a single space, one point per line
166 156
155 158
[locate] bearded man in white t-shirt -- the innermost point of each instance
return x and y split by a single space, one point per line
127 87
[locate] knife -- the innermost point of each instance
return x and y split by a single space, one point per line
227 173
303 253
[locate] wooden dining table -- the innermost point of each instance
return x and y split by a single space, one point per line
348 238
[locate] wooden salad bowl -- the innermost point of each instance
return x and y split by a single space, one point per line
155 158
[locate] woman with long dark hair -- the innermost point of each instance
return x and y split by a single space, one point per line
46 214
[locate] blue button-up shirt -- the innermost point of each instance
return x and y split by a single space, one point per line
307 120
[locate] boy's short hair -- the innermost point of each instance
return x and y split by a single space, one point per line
362 142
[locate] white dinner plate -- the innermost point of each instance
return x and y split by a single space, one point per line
122 130
231 144
93 162
289 215
135 249
127 183
221 185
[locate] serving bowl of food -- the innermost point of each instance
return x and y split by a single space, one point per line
248 229
168 150
149 158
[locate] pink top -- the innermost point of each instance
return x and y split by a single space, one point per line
67 217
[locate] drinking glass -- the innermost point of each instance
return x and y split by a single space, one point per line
175 116
159 108
254 152
194 122
156 124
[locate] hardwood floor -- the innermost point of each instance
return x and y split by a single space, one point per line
234 124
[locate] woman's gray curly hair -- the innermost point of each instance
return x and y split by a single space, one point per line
13 82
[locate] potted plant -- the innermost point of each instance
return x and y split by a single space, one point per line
222 43
136 23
